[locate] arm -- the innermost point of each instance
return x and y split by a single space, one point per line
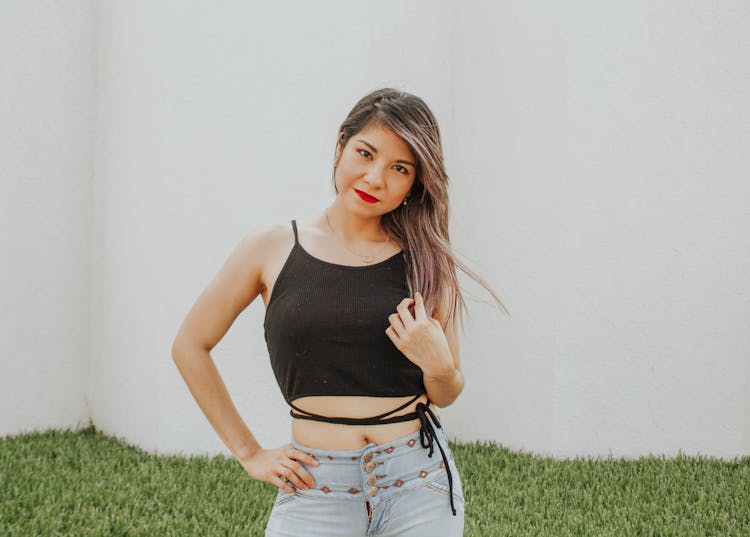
231 290
205 383
425 342
444 385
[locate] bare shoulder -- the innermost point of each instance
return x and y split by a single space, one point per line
236 284
265 238
269 245
265 241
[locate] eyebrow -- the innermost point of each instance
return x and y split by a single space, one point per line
375 151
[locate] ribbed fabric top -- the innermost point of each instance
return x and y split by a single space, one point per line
325 328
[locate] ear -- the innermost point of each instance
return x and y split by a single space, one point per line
339 146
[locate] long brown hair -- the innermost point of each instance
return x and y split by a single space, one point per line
422 224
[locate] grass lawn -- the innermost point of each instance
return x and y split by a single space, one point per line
62 482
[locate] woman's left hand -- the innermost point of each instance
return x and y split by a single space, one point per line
420 337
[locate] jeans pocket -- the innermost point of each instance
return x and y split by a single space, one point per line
440 485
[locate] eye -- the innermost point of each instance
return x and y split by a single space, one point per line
365 153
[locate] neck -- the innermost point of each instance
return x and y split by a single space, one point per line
352 227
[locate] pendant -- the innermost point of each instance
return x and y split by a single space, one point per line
367 258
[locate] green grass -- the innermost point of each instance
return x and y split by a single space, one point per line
63 482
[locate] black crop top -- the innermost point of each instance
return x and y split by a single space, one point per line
324 327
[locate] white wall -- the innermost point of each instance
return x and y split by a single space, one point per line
46 133
226 121
608 166
597 156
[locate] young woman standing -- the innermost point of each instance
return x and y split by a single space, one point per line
361 308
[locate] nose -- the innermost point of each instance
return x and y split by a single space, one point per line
375 176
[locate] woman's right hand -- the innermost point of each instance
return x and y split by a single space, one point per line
271 464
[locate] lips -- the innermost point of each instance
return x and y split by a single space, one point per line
365 196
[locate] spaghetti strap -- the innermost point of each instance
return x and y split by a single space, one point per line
294 227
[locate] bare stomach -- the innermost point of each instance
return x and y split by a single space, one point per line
334 436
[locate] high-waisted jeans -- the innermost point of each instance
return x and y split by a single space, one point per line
379 490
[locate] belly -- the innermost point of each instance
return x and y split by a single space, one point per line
334 436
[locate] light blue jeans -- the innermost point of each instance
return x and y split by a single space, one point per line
379 490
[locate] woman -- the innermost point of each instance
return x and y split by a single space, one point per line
361 303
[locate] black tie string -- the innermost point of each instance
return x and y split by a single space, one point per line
428 436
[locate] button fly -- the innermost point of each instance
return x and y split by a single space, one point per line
370 466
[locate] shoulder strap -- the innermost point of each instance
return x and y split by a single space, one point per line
294 227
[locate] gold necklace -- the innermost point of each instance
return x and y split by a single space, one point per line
365 258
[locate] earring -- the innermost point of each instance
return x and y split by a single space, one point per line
404 204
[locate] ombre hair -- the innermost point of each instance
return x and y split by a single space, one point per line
421 225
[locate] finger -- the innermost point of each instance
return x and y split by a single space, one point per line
391 333
276 480
300 474
420 312
396 323
302 456
409 302
403 310
307 477
291 477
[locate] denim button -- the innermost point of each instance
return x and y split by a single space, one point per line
370 466
368 457
373 491
371 480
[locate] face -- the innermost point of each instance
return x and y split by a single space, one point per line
375 170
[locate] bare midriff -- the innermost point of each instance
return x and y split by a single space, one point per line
334 436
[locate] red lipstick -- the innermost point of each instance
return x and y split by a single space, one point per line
365 196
